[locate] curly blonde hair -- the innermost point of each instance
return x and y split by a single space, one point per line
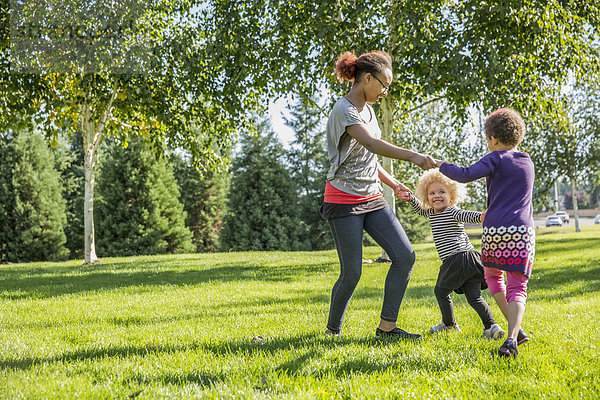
457 191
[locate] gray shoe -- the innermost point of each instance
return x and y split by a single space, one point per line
494 332
441 327
330 332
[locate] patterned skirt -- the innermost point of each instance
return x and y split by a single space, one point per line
509 248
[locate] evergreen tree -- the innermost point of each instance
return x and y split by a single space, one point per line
138 206
203 198
309 164
33 210
262 211
7 200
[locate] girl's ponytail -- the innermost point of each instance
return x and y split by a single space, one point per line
346 67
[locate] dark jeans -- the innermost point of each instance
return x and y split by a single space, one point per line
385 229
472 291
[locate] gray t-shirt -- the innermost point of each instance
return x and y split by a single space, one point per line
353 168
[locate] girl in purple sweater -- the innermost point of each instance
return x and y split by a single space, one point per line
508 240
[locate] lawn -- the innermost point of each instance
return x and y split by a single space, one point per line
250 325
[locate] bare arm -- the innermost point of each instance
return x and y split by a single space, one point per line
386 149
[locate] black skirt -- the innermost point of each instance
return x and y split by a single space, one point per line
460 268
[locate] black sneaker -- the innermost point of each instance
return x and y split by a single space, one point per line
522 337
509 348
397 333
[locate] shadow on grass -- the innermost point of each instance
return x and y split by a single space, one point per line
36 282
553 246
314 347
91 354
310 346
22 281
554 283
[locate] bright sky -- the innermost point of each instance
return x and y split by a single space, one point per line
285 133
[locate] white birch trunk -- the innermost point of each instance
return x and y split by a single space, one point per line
574 201
88 202
555 196
89 150
92 136
387 130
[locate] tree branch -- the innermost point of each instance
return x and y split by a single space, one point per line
105 115
306 97
147 127
422 105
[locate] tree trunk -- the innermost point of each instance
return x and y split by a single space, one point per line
387 126
90 157
555 196
92 136
574 201
387 130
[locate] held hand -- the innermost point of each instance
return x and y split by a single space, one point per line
402 192
483 215
404 196
401 188
426 162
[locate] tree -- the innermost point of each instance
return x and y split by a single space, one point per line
131 67
204 199
309 163
138 205
471 53
32 204
493 53
565 143
7 199
262 207
208 63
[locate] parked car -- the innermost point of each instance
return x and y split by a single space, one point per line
597 219
563 215
553 220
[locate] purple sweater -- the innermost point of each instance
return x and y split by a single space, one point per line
509 179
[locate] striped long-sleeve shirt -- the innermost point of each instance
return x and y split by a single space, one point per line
448 227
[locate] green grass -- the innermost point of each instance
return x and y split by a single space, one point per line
249 325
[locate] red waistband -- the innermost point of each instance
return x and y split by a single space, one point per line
334 195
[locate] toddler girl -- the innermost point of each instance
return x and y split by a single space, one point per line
508 241
461 268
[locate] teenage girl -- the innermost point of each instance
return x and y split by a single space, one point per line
353 199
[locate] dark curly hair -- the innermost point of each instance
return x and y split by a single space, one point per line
351 68
506 125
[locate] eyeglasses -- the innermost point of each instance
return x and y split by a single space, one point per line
385 87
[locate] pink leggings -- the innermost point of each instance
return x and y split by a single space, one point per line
516 284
